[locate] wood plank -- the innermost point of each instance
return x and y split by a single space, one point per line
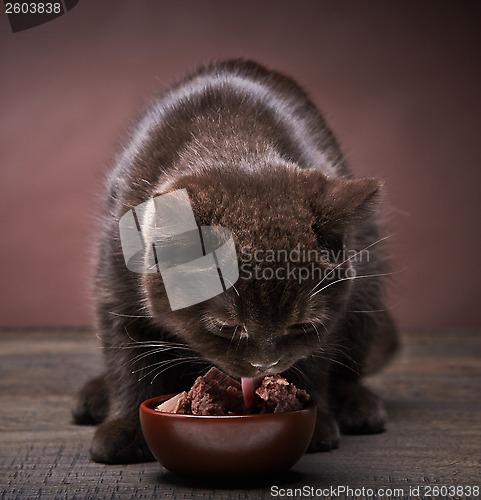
432 392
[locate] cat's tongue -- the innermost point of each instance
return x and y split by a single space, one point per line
249 386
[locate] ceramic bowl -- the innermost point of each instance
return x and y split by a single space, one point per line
234 445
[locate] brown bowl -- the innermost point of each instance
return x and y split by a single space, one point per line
234 445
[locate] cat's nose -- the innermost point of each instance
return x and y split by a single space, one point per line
262 367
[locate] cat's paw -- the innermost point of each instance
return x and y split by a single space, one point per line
326 434
361 412
91 404
120 441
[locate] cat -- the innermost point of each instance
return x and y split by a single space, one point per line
256 157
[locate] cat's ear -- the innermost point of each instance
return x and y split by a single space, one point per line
349 201
341 204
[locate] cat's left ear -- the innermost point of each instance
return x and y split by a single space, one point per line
340 203
349 201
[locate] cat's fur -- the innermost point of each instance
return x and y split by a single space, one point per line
256 157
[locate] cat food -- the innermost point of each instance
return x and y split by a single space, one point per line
279 396
218 394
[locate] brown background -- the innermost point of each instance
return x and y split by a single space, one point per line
398 82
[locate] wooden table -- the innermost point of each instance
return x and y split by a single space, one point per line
432 393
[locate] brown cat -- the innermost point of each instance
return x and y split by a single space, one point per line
256 157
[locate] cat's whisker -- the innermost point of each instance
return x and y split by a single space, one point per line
347 260
338 349
231 339
128 335
317 331
238 341
179 362
152 341
163 363
324 326
140 345
231 284
156 343
332 360
151 352
300 373
230 343
357 277
154 366
310 332
333 350
129 315
245 335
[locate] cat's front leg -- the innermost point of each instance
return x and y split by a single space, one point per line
372 340
91 403
120 440
326 433
358 410
309 377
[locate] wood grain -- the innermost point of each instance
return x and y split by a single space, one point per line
432 392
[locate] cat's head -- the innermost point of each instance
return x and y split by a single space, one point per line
290 228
